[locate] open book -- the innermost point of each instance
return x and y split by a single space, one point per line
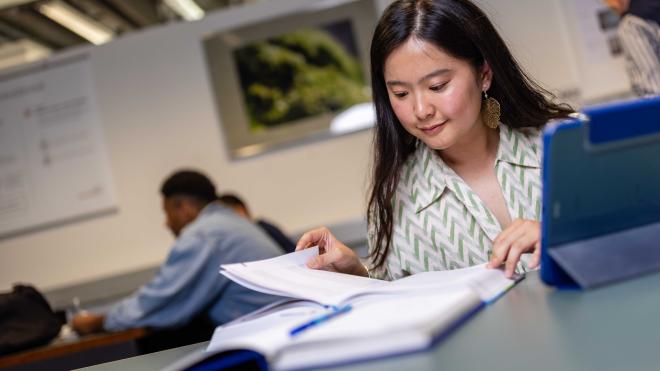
337 318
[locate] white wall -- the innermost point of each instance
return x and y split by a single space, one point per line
535 31
548 39
600 75
158 115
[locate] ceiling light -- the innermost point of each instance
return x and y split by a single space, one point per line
75 21
18 52
187 9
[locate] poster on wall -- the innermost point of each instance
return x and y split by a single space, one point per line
53 162
293 78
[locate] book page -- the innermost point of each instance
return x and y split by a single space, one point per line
288 275
393 324
487 283
369 329
266 333
421 311
376 318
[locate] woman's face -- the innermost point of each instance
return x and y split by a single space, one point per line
436 97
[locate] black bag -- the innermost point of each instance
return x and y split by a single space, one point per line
26 320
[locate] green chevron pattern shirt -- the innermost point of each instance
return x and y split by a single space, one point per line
440 223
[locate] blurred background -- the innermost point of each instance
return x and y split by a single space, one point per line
152 107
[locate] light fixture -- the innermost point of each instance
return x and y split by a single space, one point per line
358 117
22 51
75 21
187 9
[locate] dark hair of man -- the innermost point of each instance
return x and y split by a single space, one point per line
232 200
189 183
462 30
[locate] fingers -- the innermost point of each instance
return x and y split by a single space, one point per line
325 261
312 238
322 238
524 244
325 244
536 256
333 255
506 234
521 237
317 262
502 243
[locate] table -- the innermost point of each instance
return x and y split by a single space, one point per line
64 355
532 327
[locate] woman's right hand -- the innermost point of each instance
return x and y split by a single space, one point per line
333 255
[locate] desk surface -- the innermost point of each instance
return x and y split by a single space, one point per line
532 327
64 348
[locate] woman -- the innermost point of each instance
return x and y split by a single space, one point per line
456 174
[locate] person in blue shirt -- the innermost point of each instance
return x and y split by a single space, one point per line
271 229
188 283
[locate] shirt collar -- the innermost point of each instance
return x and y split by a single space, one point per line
212 207
430 173
518 147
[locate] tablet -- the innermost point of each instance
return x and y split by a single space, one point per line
601 195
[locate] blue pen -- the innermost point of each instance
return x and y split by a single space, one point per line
320 319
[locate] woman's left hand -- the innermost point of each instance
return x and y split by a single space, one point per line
522 236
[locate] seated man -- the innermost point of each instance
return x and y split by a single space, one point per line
275 233
189 283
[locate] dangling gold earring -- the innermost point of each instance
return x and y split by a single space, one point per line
490 109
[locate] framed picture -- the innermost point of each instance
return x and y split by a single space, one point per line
293 79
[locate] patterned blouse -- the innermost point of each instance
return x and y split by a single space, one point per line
441 224
641 43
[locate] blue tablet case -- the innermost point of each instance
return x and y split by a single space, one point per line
601 195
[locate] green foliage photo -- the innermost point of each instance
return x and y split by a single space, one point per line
303 73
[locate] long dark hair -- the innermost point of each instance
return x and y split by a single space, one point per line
462 30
